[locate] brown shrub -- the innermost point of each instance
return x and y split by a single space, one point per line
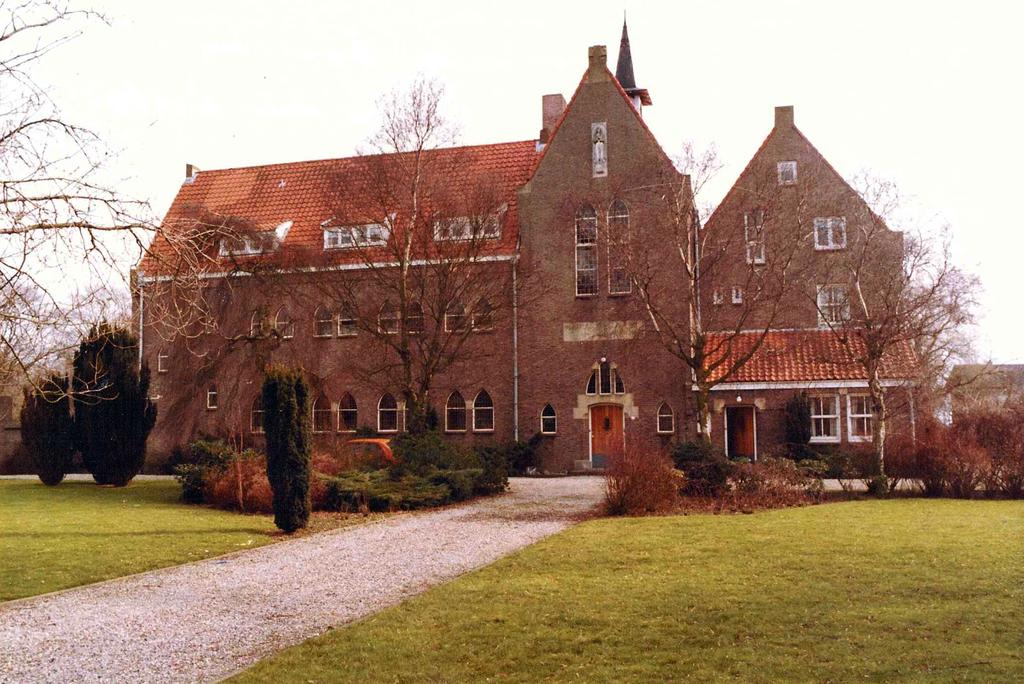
641 481
241 485
773 483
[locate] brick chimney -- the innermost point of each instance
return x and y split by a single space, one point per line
552 107
598 69
784 117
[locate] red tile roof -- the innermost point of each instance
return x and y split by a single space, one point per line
804 356
301 192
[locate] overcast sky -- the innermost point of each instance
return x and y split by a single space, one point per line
927 94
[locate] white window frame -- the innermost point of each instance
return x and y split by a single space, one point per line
392 317
717 298
258 324
589 246
782 166
465 411
332 420
342 410
553 417
397 410
467 322
466 228
481 409
161 357
737 294
248 245
358 236
831 306
755 251
671 416
851 417
475 315
319 319
256 428
414 312
289 328
618 243
834 416
345 317
828 226
211 392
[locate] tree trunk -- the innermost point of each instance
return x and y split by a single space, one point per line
702 403
878 410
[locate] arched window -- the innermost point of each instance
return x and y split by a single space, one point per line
455 317
548 420
617 381
257 324
387 319
283 324
211 397
414 319
323 415
483 412
256 415
586 251
348 414
483 315
347 321
666 419
618 249
323 322
605 379
455 413
387 414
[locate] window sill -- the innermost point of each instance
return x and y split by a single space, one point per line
825 440
859 439
666 432
483 430
824 248
548 434
322 337
348 334
586 296
454 432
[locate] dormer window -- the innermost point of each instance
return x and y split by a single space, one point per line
347 237
487 227
787 172
258 242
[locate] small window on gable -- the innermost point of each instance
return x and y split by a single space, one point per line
548 420
162 365
256 415
737 294
455 413
666 419
347 321
483 412
284 325
323 415
211 397
348 413
387 319
323 322
586 252
830 233
753 235
787 172
387 414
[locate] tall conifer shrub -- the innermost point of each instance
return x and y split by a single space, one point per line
286 423
113 412
46 429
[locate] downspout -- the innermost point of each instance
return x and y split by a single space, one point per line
142 306
515 350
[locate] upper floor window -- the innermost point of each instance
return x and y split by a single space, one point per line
548 420
455 319
825 418
414 319
347 321
787 172
161 361
387 414
833 305
257 324
717 298
666 419
367 235
256 415
605 379
211 397
619 281
455 413
323 322
284 325
483 316
858 417
246 245
387 319
753 235
348 413
830 233
586 252
483 412
470 227
323 415
737 294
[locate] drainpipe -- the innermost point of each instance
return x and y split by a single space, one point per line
138 285
515 351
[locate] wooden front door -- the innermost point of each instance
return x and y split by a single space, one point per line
740 425
606 438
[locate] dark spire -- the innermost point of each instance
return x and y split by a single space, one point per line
624 69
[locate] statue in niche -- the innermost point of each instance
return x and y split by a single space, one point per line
599 141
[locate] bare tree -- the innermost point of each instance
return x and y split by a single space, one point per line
899 301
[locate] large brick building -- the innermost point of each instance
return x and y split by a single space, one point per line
563 349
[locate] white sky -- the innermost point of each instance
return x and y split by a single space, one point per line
925 93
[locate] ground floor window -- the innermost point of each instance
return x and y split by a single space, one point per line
548 420
322 415
387 414
348 414
455 413
483 413
666 420
825 418
256 415
858 417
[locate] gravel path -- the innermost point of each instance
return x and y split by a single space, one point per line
206 620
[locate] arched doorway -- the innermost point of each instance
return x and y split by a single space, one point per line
607 433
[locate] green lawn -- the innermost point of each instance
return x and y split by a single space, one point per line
57 537
901 590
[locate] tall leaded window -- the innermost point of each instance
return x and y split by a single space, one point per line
666 419
256 415
483 412
858 417
586 252
323 322
387 414
455 413
618 249
323 415
548 420
825 418
753 235
833 305
348 413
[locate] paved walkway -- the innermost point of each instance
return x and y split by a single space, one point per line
206 620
